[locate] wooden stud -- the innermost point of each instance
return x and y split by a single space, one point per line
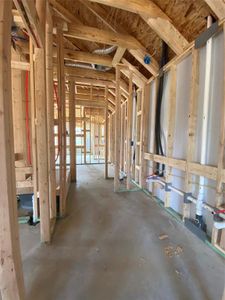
62 119
171 129
33 134
144 137
192 122
129 129
11 274
118 55
85 137
106 133
117 132
42 142
72 132
50 113
220 164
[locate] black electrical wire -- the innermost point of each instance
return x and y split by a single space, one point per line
158 141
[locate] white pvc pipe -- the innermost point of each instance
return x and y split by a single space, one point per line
205 118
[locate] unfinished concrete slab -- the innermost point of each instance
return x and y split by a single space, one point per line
118 246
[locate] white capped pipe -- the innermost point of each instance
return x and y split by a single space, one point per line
205 119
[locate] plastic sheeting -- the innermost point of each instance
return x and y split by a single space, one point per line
183 91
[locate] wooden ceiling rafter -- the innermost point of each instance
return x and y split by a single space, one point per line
157 20
139 54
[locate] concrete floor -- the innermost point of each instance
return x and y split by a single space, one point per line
108 248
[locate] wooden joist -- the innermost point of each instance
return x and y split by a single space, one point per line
155 18
86 57
31 21
11 274
102 36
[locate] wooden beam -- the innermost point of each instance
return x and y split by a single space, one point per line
129 130
192 121
62 119
117 132
42 141
138 78
31 21
170 129
155 18
87 97
139 54
86 57
64 13
90 103
33 133
72 131
102 36
218 7
50 114
145 132
118 56
80 72
20 65
220 164
94 82
11 274
106 132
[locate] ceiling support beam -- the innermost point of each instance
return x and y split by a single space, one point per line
218 7
94 34
155 18
118 56
87 57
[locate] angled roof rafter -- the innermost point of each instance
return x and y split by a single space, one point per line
155 18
